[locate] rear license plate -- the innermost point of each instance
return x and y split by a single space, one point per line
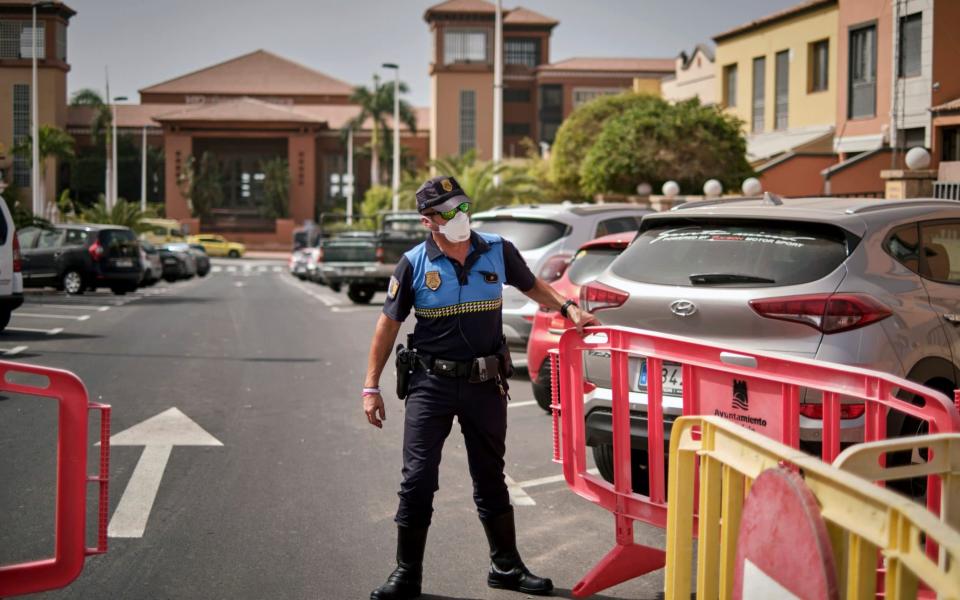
671 376
123 262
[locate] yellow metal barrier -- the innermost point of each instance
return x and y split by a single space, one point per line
862 519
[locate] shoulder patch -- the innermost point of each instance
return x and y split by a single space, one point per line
393 288
432 280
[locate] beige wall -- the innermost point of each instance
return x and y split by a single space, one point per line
795 34
696 81
445 132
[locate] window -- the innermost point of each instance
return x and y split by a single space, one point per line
516 129
551 111
526 234
516 95
912 137
862 92
468 120
903 245
75 237
521 51
782 87
759 81
583 95
49 238
21 132
950 142
618 225
730 85
27 237
61 42
16 39
911 28
941 251
464 47
818 54
589 263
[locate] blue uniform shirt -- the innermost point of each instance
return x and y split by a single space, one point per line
458 308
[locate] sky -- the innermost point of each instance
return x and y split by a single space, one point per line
143 42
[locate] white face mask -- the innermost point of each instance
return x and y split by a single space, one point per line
457 229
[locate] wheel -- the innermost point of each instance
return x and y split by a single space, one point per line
360 294
119 290
4 318
336 287
915 487
72 282
541 389
603 457
169 278
233 254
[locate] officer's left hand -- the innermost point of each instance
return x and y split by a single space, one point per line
581 318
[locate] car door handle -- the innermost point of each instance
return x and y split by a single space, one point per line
952 318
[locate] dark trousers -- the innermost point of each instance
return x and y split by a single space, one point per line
432 403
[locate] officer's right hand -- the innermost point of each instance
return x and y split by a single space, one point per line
373 407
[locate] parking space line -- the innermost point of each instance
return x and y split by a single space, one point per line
53 331
77 307
519 404
14 350
314 295
46 316
518 497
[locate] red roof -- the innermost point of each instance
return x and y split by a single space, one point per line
949 106
239 109
525 16
631 65
808 5
258 73
511 16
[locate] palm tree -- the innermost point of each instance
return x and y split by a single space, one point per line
55 143
376 105
102 118
127 214
476 179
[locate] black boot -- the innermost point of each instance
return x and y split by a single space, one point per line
404 582
507 571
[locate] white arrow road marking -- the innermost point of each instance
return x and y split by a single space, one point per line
14 350
159 434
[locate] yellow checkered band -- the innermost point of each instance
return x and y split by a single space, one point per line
460 309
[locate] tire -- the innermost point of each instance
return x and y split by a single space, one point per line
603 457
233 254
4 319
121 290
542 389
170 278
72 283
336 287
915 487
360 294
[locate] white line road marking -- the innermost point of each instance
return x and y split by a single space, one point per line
351 309
53 331
216 269
14 350
547 480
518 497
232 269
77 307
158 435
327 301
519 404
277 269
46 316
238 284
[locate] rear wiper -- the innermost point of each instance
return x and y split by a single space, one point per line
709 278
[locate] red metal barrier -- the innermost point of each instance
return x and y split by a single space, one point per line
70 518
712 379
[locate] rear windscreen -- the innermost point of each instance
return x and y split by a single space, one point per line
526 234
590 262
734 253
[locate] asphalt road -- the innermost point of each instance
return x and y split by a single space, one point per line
298 501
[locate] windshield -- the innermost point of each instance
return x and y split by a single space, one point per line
728 253
526 234
590 262
403 226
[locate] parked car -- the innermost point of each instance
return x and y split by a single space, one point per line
548 324
152 265
217 245
547 236
864 282
364 261
314 260
298 263
203 261
178 262
79 257
11 263
163 231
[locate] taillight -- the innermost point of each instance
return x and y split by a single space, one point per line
17 257
847 411
597 296
555 267
379 254
319 254
96 250
828 313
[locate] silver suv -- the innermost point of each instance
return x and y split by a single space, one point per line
870 283
547 236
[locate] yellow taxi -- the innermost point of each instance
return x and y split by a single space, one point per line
217 245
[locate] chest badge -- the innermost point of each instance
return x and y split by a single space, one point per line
490 277
432 280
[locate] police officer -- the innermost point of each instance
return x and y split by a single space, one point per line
458 364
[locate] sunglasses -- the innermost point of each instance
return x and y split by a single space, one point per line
463 207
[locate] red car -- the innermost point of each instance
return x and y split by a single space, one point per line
589 261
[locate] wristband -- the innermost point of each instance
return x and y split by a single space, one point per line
370 391
566 305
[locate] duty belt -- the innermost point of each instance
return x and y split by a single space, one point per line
444 367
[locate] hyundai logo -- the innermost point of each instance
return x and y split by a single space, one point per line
683 308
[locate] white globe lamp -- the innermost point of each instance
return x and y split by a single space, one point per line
751 187
670 189
712 188
918 158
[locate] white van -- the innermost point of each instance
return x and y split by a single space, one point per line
11 279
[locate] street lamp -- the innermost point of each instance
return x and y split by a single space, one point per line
34 112
396 134
113 153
